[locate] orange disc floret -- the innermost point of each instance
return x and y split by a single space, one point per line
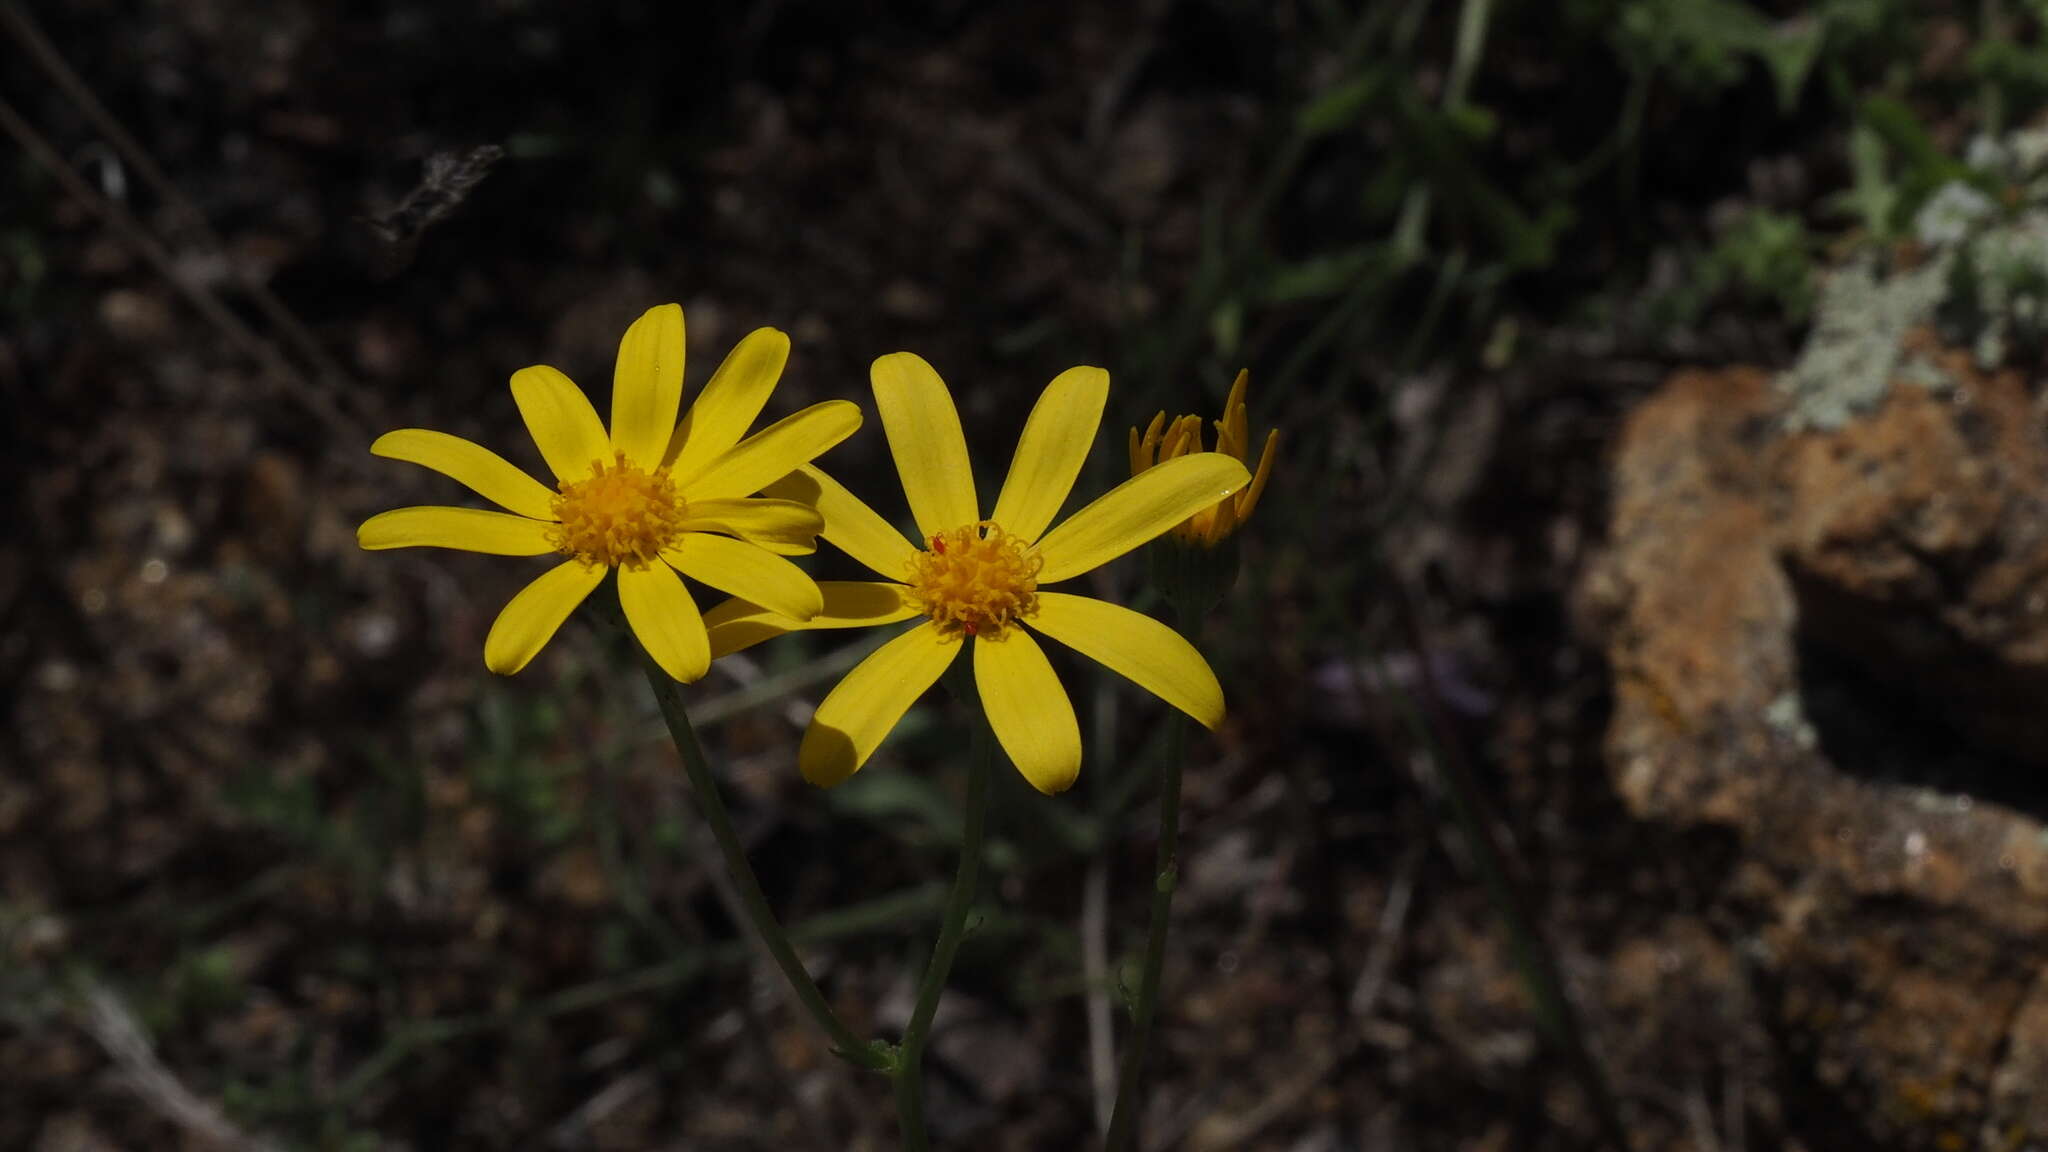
620 514
976 580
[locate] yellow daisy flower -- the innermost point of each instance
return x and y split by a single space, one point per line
651 499
977 578
1162 441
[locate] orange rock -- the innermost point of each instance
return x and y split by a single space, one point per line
1833 643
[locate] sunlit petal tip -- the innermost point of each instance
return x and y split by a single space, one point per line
532 617
647 384
827 756
485 472
774 452
1029 711
665 619
1136 647
923 428
730 402
855 717
1050 453
463 529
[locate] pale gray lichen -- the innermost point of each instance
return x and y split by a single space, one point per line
1949 215
1981 280
2001 303
1859 329
1788 717
1923 373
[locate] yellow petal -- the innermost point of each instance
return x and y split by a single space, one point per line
772 524
729 403
850 524
925 438
741 569
774 451
469 529
1137 510
786 548
662 615
561 421
488 474
855 716
1049 456
527 623
1030 712
738 624
647 385
1137 647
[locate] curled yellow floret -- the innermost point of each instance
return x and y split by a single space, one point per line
1164 440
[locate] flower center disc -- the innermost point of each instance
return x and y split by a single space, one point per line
976 581
621 514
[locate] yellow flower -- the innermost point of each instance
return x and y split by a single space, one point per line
976 578
1163 441
650 499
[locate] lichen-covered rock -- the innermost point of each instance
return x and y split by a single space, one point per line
1831 641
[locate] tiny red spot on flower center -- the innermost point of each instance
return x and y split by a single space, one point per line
621 514
976 581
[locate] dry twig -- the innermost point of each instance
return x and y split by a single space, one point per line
1095 974
1219 1131
110 1023
245 339
53 64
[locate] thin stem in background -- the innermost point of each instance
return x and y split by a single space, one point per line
1095 974
1123 1118
754 902
82 96
1106 803
1991 27
279 370
1163 358
909 1069
1535 958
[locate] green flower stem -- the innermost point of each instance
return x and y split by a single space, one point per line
909 1065
668 693
1123 1121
